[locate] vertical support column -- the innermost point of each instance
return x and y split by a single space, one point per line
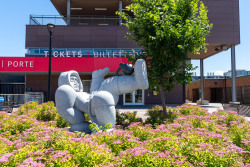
120 10
202 79
184 93
225 87
234 90
201 101
243 94
68 12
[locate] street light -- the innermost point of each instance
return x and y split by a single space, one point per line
50 28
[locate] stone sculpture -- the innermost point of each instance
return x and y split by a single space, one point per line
72 102
127 69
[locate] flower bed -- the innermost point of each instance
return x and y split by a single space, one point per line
188 136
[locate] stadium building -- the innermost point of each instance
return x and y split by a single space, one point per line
88 36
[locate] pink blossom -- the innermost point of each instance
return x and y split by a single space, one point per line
39 164
37 158
217 136
38 153
201 163
117 142
164 138
231 112
47 138
128 136
134 124
65 158
179 162
3 160
161 155
180 118
28 161
48 150
5 157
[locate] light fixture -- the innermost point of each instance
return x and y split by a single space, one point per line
76 8
100 8
51 28
224 47
217 49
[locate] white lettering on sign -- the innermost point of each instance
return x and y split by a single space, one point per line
62 54
20 64
114 54
79 54
55 54
74 53
95 54
15 64
9 63
2 63
68 54
108 53
46 53
102 54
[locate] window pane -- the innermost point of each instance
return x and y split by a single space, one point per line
128 98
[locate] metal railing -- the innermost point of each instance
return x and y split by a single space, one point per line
20 99
86 20
241 109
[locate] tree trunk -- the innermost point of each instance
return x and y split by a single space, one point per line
163 102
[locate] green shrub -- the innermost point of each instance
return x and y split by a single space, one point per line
48 112
126 118
157 116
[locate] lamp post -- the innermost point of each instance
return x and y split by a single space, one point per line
50 28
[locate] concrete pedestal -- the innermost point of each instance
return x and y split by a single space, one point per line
187 101
202 102
234 103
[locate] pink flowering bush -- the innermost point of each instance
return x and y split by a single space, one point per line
190 136
44 112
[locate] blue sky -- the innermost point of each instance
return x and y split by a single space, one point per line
15 16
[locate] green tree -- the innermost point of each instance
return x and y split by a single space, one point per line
168 30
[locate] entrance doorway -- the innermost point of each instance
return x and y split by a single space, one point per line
135 98
216 95
195 93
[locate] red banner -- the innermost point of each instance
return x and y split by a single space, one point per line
58 64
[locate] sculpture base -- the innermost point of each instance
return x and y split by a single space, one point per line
234 102
202 102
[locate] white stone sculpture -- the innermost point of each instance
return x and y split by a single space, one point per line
72 102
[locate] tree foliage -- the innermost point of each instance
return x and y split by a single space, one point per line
168 30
